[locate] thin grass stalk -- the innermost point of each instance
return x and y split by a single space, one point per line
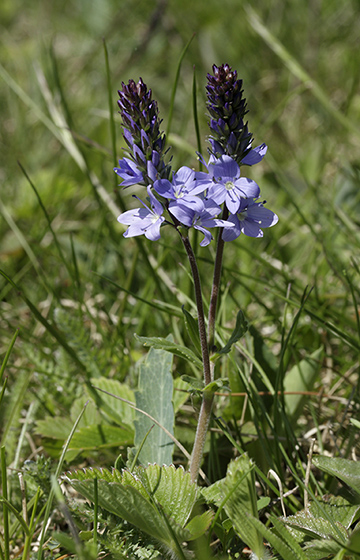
5 507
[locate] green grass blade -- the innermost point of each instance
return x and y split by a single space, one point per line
57 474
173 93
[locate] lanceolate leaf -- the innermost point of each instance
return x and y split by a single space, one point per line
154 396
240 329
192 328
160 343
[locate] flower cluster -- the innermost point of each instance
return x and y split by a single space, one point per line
193 199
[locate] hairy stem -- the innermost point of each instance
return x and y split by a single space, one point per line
207 399
200 436
200 309
216 283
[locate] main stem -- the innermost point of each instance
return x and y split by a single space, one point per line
207 399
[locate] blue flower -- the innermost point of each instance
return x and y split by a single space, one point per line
182 190
144 221
129 172
206 218
224 183
249 221
255 155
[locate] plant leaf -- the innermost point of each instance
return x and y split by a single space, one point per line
160 343
241 326
100 436
154 396
348 471
192 328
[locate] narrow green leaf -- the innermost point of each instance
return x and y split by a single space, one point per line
241 326
173 93
192 328
154 396
159 343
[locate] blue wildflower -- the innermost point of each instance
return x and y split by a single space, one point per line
250 220
224 183
144 221
129 172
206 218
182 189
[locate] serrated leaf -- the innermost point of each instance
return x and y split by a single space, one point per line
54 427
121 410
127 503
91 473
172 488
160 343
301 378
99 436
144 496
154 396
192 328
348 471
241 326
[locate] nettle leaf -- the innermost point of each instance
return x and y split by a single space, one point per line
348 471
301 378
241 326
144 496
160 343
172 488
127 503
154 396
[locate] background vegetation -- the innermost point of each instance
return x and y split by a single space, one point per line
79 290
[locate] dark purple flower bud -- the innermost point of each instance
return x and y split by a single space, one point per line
142 134
227 109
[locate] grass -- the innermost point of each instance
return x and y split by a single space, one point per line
74 291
